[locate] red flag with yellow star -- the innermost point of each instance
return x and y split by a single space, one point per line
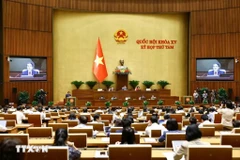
99 65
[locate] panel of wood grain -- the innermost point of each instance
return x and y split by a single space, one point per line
27 43
24 16
30 87
216 45
209 22
233 22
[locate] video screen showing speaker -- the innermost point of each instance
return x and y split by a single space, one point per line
28 68
215 69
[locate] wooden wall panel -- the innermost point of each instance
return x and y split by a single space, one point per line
233 3
27 43
233 23
214 32
216 45
30 87
31 17
209 22
48 3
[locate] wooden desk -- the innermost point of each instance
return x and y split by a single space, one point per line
98 142
24 125
157 154
12 130
46 120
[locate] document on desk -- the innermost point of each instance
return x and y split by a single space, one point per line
169 155
225 132
105 139
101 154
150 140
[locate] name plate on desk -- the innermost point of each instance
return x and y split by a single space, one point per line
101 154
99 89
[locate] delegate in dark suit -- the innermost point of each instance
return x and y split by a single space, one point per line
220 71
34 71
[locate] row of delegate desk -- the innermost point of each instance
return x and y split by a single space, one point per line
101 141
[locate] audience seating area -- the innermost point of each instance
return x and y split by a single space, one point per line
38 134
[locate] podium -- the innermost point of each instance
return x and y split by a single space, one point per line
186 99
122 80
72 100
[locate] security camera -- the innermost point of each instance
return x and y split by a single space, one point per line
236 60
8 59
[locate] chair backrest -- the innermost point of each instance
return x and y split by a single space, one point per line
139 126
207 131
11 123
148 116
156 132
209 152
48 115
114 129
114 137
35 119
88 131
55 126
218 126
185 122
79 139
230 139
71 123
217 118
53 153
106 122
62 113
97 126
237 116
198 117
9 117
54 113
127 152
173 136
107 117
40 131
178 117
236 130
24 138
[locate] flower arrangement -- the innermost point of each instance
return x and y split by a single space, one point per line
91 84
205 101
163 83
124 70
177 102
126 103
108 83
50 103
148 84
191 102
108 104
34 103
160 102
77 84
88 104
145 103
68 103
216 101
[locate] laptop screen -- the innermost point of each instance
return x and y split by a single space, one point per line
3 123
